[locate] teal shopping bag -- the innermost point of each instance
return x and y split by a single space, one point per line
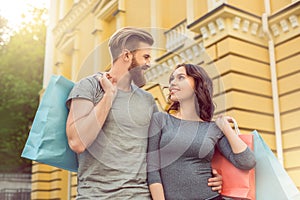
47 141
272 181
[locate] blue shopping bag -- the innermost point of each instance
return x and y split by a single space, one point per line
47 141
272 181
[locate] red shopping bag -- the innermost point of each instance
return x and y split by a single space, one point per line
237 183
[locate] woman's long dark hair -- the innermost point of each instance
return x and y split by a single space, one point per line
203 91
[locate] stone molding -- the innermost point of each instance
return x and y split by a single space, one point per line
72 18
285 24
228 20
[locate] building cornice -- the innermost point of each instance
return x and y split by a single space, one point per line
106 10
69 42
72 18
290 8
228 20
285 24
221 7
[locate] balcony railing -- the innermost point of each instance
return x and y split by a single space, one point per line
191 54
176 36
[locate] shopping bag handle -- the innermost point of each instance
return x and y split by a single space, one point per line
236 127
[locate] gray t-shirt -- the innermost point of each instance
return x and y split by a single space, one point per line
180 152
114 166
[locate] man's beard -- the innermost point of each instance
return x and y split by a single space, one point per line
137 74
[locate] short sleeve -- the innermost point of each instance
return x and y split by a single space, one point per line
87 88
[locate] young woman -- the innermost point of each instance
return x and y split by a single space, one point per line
182 141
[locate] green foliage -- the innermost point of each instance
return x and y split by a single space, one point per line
21 74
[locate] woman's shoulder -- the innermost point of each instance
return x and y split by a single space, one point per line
158 119
160 115
213 129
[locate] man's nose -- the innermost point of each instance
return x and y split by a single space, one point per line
148 61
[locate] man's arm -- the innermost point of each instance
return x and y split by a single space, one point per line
216 181
86 120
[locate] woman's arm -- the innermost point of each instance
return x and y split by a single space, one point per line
233 147
157 191
237 145
153 157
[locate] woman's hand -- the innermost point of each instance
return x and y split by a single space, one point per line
237 145
223 122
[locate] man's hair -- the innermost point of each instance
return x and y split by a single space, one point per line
128 38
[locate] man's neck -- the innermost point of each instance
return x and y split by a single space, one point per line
121 77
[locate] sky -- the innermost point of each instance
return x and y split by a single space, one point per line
12 9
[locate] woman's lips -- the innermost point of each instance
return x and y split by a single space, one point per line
173 90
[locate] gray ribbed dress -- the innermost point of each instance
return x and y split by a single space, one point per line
180 153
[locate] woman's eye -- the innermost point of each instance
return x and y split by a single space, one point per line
181 77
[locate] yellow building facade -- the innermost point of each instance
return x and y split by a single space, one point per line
249 48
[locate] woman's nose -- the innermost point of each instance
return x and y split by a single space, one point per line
172 82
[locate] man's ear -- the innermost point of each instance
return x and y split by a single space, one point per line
127 55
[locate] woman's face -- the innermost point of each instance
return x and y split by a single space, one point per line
181 86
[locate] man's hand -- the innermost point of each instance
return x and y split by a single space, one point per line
216 181
108 84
